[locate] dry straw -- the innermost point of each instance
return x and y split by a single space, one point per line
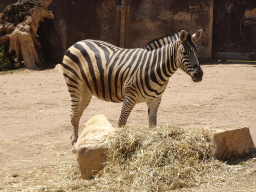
156 159
141 159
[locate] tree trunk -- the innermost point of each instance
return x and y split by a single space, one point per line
19 24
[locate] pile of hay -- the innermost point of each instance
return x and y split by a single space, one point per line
155 159
159 159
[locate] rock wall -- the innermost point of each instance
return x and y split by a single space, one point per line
143 21
152 19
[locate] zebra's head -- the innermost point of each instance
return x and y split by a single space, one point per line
186 55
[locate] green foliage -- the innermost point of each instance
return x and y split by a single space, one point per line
4 61
7 62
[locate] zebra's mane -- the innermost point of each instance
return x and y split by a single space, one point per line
156 42
167 39
165 36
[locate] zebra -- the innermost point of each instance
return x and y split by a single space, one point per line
131 76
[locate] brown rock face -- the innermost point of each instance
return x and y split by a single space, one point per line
228 143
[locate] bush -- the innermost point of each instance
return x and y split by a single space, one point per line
4 61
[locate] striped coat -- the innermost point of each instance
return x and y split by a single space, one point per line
131 76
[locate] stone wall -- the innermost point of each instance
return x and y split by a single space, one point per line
151 19
144 20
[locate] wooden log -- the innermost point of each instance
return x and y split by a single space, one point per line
23 36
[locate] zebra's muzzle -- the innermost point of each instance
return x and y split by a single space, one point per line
197 75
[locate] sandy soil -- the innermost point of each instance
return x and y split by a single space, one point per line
35 105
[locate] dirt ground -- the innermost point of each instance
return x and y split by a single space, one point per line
35 125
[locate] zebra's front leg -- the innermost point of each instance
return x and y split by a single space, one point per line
127 107
152 111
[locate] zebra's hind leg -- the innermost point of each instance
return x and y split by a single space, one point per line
152 111
127 107
78 105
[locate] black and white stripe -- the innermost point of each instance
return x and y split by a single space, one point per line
162 41
131 76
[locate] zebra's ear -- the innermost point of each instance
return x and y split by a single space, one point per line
183 36
197 35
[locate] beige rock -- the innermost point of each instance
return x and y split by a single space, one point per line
230 142
58 67
92 145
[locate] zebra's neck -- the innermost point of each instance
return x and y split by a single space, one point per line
163 63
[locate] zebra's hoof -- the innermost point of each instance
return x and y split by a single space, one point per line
73 150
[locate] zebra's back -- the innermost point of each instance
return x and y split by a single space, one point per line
103 69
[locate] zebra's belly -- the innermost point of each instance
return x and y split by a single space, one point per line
111 99
105 87
110 95
121 99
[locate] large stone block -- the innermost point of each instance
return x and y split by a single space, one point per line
92 145
230 142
